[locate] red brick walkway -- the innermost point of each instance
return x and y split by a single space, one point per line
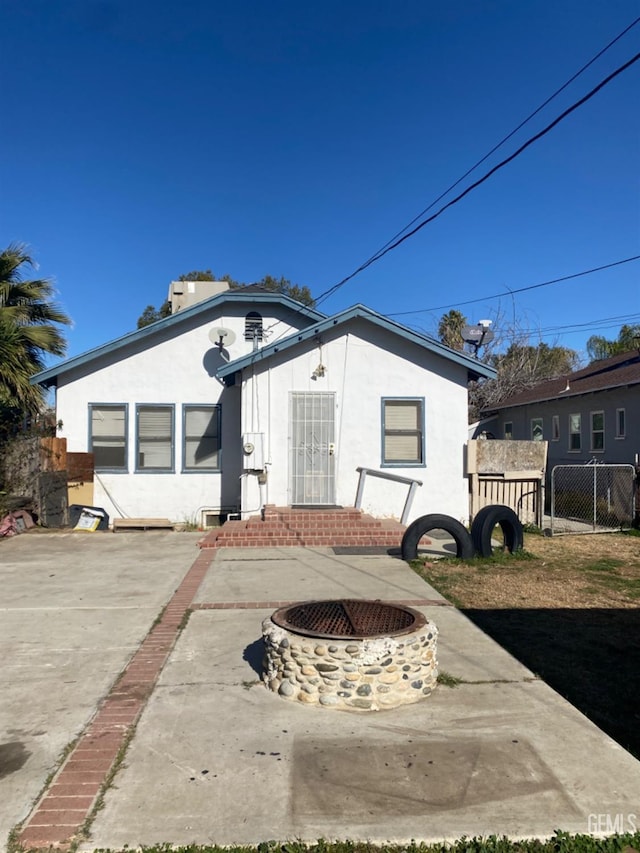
65 806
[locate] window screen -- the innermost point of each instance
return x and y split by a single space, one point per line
155 438
108 436
201 438
403 432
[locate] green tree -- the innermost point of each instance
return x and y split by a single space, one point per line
298 292
600 347
29 330
199 275
151 314
450 329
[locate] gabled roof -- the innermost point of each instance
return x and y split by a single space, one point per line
476 368
254 297
603 375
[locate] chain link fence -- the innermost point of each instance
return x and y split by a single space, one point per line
592 498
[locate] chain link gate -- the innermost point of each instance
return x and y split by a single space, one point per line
592 498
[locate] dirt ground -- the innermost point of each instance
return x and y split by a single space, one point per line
569 609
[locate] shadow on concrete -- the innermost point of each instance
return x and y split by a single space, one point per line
253 654
13 756
590 656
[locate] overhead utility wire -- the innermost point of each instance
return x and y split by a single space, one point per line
517 289
576 328
481 180
604 322
509 135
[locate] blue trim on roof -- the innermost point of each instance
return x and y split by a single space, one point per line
48 376
475 367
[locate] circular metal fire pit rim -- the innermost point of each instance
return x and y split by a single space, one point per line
418 619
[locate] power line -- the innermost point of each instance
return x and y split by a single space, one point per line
517 289
574 328
481 180
577 328
604 323
509 135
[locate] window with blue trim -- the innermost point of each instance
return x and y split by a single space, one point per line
108 436
402 431
201 438
154 434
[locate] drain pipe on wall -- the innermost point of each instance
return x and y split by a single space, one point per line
244 512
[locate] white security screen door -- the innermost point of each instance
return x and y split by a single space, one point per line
311 460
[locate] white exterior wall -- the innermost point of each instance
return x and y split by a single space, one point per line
361 368
179 370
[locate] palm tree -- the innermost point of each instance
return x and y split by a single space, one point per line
29 321
600 347
450 329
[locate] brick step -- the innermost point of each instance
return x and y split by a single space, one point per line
222 541
282 527
288 514
304 534
371 527
300 521
351 540
267 528
256 523
326 524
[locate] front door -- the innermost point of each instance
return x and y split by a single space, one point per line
311 442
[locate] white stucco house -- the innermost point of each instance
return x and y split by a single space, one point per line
248 398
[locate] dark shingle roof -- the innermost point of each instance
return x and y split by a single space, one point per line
614 372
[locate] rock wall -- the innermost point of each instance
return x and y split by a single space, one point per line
351 674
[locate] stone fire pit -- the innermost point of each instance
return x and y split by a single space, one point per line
350 654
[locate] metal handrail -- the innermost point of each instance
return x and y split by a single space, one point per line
385 475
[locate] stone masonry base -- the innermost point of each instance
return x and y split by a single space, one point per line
351 674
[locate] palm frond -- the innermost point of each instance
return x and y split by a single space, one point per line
29 320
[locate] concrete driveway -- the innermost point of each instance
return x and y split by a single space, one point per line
73 610
216 758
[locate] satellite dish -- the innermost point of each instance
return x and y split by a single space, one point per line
477 335
222 337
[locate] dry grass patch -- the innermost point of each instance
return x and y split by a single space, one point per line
569 609
563 571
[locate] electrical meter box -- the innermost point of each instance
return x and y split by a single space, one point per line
253 451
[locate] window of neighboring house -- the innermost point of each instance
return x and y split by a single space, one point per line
555 428
536 429
154 438
253 326
597 431
108 436
621 424
508 430
201 438
575 432
402 431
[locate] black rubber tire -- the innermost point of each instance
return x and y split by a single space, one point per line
418 528
487 519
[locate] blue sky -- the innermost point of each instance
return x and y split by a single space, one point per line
145 139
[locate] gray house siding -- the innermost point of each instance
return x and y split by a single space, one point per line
603 445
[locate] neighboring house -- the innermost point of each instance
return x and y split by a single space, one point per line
189 422
591 414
